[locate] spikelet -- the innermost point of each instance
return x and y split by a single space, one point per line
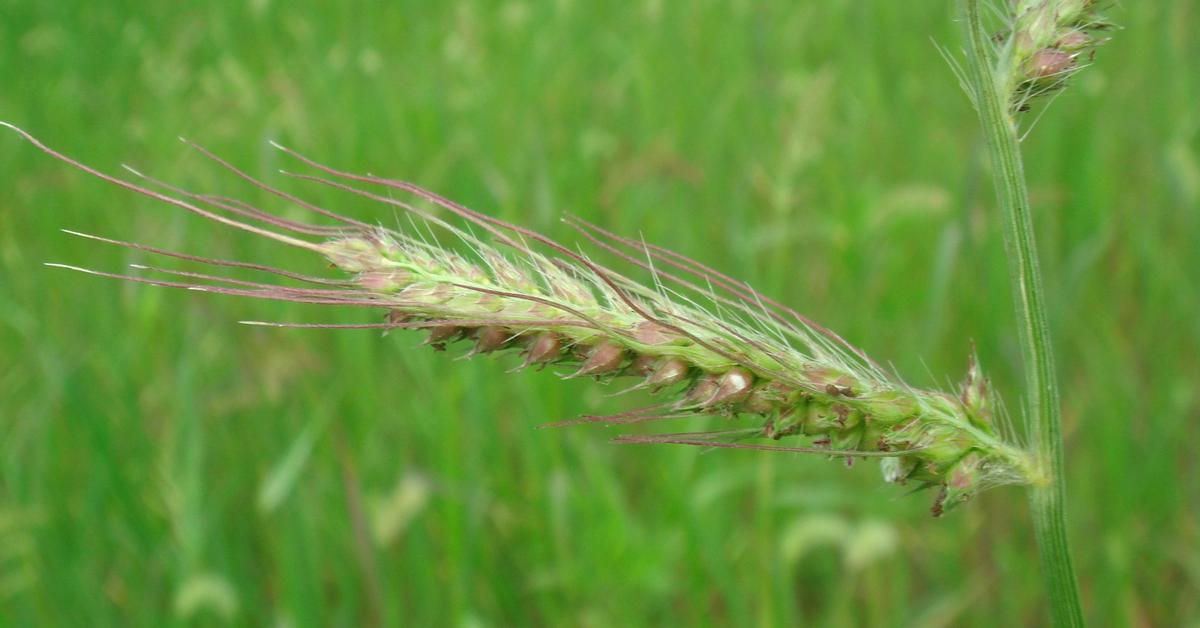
786 376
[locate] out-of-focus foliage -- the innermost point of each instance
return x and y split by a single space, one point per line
160 464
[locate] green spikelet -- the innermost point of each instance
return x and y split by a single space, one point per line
783 375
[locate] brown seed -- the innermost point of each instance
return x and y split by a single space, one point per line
547 346
605 357
440 335
667 372
491 338
643 365
732 386
704 390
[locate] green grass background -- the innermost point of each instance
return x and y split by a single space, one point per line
162 465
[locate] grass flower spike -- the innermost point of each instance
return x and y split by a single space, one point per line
706 343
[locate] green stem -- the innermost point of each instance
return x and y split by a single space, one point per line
1047 499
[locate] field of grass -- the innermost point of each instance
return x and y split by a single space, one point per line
162 465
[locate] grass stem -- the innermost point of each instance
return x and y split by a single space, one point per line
1047 500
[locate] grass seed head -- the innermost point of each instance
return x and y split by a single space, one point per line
1044 44
511 290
